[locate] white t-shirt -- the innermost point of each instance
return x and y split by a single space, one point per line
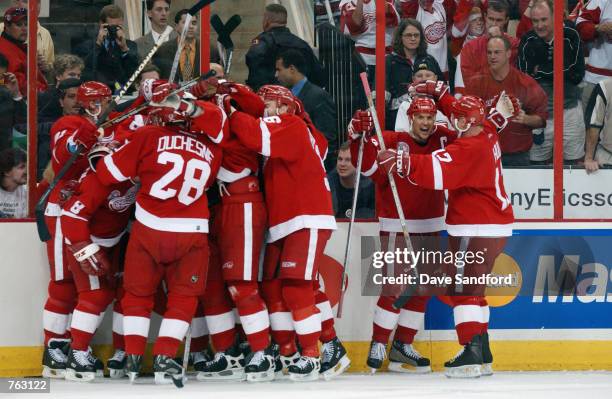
14 204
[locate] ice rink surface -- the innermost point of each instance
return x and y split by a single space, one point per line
511 385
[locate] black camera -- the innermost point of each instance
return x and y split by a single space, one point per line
112 31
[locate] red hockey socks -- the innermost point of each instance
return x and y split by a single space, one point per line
220 318
385 319
253 313
281 323
199 331
328 332
59 305
411 319
468 317
299 297
136 320
87 315
179 312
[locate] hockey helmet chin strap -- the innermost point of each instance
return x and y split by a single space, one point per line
97 108
457 128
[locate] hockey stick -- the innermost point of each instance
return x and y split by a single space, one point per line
224 40
190 14
347 250
141 107
179 382
41 225
410 290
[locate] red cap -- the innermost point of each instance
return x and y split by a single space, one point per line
15 14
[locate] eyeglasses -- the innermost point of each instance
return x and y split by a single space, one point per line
411 35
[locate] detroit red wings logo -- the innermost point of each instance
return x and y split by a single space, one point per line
119 203
435 32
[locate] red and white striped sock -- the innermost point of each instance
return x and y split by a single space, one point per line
57 310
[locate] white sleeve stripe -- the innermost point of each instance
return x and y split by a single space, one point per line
113 170
437 173
72 215
265 138
219 137
371 171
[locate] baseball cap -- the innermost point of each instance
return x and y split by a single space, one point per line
15 14
427 62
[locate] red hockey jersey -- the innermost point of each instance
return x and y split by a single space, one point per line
470 168
62 134
97 212
174 171
296 187
423 208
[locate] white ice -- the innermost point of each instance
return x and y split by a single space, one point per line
510 385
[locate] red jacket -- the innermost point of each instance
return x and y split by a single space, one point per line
17 56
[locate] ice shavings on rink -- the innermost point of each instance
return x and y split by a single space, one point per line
510 385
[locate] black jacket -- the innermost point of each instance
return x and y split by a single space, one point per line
109 66
399 77
322 110
11 113
261 57
164 57
365 198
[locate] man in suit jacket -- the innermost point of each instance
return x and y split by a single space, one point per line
319 104
109 58
158 12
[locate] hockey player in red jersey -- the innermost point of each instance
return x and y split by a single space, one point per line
424 212
300 220
241 215
479 215
174 163
66 135
93 221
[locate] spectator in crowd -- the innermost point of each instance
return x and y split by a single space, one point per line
189 61
110 58
358 19
150 71
342 185
66 96
595 26
425 68
517 137
536 59
599 127
408 44
473 57
468 24
158 12
13 179
65 66
13 108
275 39
290 67
410 8
44 42
13 46
432 16
320 12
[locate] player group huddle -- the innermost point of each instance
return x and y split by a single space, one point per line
232 210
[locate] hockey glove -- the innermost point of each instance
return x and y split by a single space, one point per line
87 135
91 258
395 161
429 88
504 108
155 90
362 122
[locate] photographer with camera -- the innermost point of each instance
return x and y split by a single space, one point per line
111 58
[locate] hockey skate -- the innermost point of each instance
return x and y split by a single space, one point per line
228 365
467 363
199 358
334 360
487 356
117 364
378 353
260 366
165 366
403 358
305 369
282 364
80 367
54 358
98 365
133 366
